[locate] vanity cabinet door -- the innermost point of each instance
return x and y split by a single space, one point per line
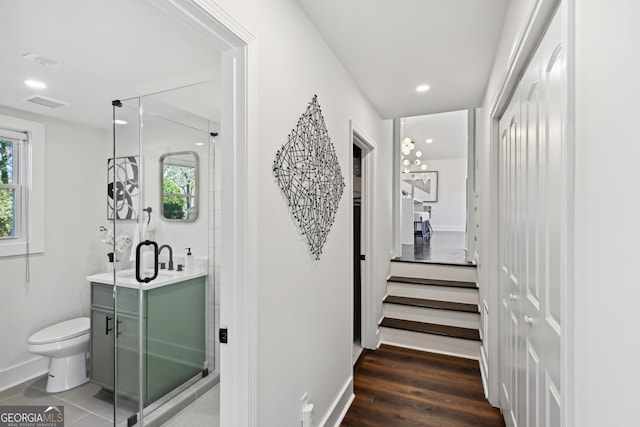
176 346
102 340
128 356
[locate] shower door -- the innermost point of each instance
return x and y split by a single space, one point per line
159 184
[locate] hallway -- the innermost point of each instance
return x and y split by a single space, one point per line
397 387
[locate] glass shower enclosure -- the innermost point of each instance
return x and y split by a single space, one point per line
154 340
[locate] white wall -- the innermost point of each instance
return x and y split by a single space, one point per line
75 206
606 213
304 306
449 213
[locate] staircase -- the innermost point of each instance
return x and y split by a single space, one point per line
432 307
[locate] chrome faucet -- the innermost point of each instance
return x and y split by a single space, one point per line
170 255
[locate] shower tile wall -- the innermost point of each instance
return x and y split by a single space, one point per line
216 215
213 292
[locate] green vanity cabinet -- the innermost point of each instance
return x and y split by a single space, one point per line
174 337
101 348
103 338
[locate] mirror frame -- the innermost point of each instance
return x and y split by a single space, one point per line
196 196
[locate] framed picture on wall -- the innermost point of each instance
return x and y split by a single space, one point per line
424 185
122 195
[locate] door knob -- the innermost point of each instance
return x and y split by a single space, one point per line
528 320
513 297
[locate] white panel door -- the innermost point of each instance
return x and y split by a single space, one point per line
511 375
533 219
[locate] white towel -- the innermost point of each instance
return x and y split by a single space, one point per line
149 224
135 242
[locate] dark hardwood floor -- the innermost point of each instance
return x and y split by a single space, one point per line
446 247
397 387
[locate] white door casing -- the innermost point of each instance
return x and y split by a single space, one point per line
371 306
238 135
533 239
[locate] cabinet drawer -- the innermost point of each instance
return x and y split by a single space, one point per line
102 296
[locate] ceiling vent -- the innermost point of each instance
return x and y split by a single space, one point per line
45 62
45 101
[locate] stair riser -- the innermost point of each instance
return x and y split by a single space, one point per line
428 342
433 271
440 293
431 315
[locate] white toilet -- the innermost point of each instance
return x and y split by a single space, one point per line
67 344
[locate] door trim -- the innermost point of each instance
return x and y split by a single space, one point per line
238 142
369 333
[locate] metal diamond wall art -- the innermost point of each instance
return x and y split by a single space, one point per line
307 171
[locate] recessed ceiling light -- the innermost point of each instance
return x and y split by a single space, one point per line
429 140
199 143
418 153
35 84
120 122
422 88
423 167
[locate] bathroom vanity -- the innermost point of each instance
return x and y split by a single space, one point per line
171 319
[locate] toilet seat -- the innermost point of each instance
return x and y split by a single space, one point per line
62 331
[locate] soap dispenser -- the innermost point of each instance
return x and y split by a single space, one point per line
188 261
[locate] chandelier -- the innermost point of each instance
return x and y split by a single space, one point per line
411 161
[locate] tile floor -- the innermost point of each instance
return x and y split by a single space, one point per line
84 406
204 412
88 406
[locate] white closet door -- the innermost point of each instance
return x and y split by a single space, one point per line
533 218
511 375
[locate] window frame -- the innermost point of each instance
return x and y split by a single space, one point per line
17 186
29 222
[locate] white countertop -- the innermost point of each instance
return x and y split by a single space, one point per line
127 278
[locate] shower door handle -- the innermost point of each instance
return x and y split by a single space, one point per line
155 261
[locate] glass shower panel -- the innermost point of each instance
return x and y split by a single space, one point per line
128 201
161 182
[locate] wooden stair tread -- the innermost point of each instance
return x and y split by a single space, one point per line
430 303
431 328
433 282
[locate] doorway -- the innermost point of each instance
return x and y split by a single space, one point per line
363 177
357 248
433 188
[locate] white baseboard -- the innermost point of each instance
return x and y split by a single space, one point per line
24 371
340 406
448 227
483 372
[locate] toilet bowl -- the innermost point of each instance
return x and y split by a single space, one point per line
67 344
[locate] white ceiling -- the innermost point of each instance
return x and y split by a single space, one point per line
447 130
109 49
392 46
116 49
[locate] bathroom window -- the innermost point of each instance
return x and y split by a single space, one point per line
11 188
21 186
